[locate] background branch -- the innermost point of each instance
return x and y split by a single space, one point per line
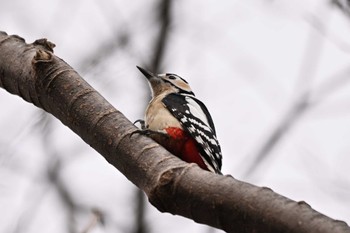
164 19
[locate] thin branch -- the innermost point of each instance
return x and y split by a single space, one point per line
343 5
53 169
331 85
96 218
306 101
283 127
33 72
301 105
317 23
164 19
140 222
104 50
162 39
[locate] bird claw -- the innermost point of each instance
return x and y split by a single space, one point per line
148 132
142 123
143 130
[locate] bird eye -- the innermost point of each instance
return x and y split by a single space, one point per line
172 77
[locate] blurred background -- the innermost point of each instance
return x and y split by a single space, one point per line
275 76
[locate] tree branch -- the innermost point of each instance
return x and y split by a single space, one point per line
33 72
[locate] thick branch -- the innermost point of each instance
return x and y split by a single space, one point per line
34 73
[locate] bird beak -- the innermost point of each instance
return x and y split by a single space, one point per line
146 73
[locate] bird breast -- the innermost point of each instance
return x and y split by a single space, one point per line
158 118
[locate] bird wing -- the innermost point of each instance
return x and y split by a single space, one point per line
196 120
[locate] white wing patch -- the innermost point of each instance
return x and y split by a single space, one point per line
211 140
196 110
205 127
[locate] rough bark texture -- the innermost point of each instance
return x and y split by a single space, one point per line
34 73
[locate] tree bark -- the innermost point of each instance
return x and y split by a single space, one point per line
33 72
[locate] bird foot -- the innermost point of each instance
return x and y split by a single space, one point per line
143 130
142 123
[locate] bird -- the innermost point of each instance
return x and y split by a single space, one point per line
180 122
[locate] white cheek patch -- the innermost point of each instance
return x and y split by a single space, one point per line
182 85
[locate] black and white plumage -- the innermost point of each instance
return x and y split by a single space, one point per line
174 105
196 120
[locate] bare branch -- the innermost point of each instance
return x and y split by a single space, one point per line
160 44
303 101
96 218
283 127
33 72
140 209
343 5
164 17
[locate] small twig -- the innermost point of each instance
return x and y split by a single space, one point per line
96 218
305 78
295 112
343 5
331 84
164 17
162 39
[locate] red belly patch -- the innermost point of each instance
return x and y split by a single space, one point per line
183 146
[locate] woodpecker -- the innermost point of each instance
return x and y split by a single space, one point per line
180 122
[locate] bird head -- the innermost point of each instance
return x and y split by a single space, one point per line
166 83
